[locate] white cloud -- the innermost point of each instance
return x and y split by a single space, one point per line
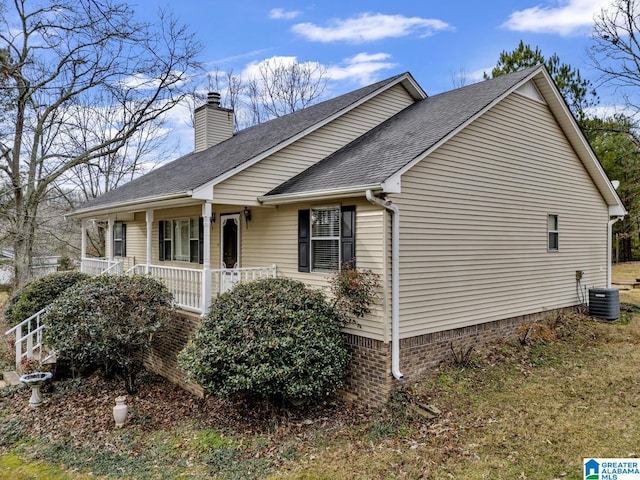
369 27
282 14
361 68
568 17
609 111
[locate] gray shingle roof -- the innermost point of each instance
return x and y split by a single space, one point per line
196 169
380 153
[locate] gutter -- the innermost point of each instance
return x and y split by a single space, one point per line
316 195
609 242
395 283
139 202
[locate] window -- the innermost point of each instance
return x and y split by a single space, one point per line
553 233
119 239
326 238
181 240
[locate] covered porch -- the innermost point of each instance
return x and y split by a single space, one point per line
193 250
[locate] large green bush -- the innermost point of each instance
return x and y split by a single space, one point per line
38 294
271 339
108 321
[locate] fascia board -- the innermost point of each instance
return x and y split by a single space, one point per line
318 195
138 204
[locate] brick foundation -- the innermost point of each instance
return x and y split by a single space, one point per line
369 380
166 346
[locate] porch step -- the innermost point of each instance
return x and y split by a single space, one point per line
10 378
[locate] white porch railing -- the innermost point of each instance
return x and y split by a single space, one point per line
223 280
100 266
186 283
28 341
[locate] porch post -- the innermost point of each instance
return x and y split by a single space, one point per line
108 245
206 258
149 213
83 240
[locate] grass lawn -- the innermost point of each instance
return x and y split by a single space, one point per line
516 411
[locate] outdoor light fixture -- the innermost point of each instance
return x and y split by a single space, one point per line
247 215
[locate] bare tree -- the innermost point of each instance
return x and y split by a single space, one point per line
272 88
63 57
616 48
89 180
283 86
460 77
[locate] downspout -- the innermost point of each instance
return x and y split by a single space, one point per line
609 245
395 283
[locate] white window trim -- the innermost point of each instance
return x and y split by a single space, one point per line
172 226
313 238
118 239
556 231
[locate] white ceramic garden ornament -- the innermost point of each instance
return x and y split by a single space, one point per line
120 411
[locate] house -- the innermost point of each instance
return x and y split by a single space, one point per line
41 264
476 207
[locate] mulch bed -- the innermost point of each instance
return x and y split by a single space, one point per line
81 409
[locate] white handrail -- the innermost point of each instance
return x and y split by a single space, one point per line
99 266
114 269
25 346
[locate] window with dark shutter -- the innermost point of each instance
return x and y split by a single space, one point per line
348 237
161 252
326 239
181 240
304 239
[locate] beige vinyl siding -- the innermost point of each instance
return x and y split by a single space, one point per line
474 223
272 237
270 172
136 241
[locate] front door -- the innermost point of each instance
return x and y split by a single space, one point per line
230 251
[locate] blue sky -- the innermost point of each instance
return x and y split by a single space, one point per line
360 42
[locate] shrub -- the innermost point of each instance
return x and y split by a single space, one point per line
108 321
38 294
354 291
272 339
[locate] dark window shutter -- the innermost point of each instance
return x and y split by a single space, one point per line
161 252
348 236
124 239
200 240
304 240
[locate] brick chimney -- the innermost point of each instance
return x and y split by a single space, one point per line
213 124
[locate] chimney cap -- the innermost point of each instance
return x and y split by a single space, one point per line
213 98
